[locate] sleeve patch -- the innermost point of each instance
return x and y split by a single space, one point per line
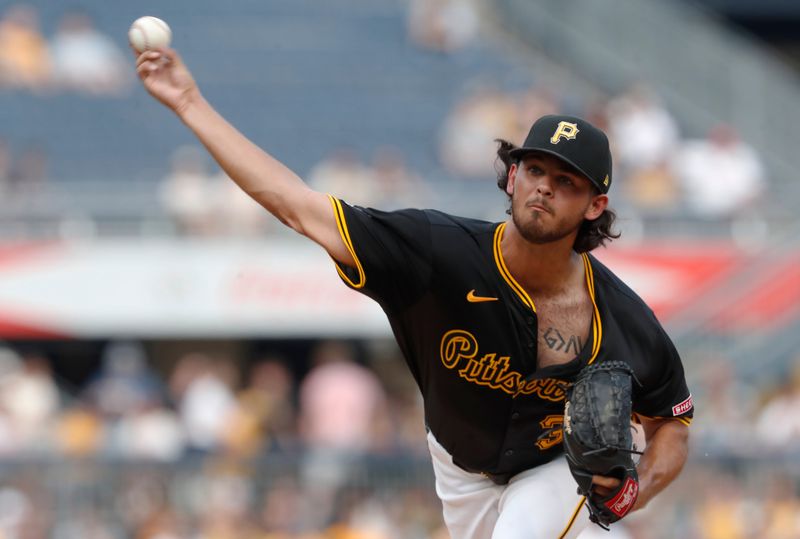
682 407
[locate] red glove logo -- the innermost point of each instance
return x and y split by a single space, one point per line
624 500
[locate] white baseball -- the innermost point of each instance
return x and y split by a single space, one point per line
149 33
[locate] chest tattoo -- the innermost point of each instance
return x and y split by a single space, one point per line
562 342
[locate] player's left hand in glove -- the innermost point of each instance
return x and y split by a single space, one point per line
598 439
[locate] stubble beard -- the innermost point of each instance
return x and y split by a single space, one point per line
538 232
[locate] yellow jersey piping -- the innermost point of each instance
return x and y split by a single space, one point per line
685 420
501 265
572 519
597 324
341 224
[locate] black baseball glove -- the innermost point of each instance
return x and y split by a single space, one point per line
598 439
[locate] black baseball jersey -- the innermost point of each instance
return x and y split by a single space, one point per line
468 332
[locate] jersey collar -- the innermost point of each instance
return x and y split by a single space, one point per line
597 326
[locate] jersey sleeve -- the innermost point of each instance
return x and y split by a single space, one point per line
392 252
663 392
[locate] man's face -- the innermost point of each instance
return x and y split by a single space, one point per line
550 199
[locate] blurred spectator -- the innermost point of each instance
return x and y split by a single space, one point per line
781 509
9 442
721 176
265 416
203 203
341 406
341 401
778 422
203 391
24 57
10 367
80 431
652 191
31 398
187 192
466 142
398 186
124 382
150 431
344 175
723 516
362 516
19 512
86 60
235 213
243 491
644 137
643 131
442 25
407 434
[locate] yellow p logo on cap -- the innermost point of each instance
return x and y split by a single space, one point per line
567 130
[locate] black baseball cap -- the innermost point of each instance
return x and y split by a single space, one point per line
574 141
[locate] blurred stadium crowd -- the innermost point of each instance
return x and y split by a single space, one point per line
240 445
210 449
227 444
661 172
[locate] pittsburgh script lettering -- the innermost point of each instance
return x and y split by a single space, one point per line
458 351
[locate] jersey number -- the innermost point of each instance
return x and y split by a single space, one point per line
552 435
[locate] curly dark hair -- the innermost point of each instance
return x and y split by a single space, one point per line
592 233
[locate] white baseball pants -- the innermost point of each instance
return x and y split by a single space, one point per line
540 503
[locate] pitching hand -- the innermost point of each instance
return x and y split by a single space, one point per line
166 78
604 485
